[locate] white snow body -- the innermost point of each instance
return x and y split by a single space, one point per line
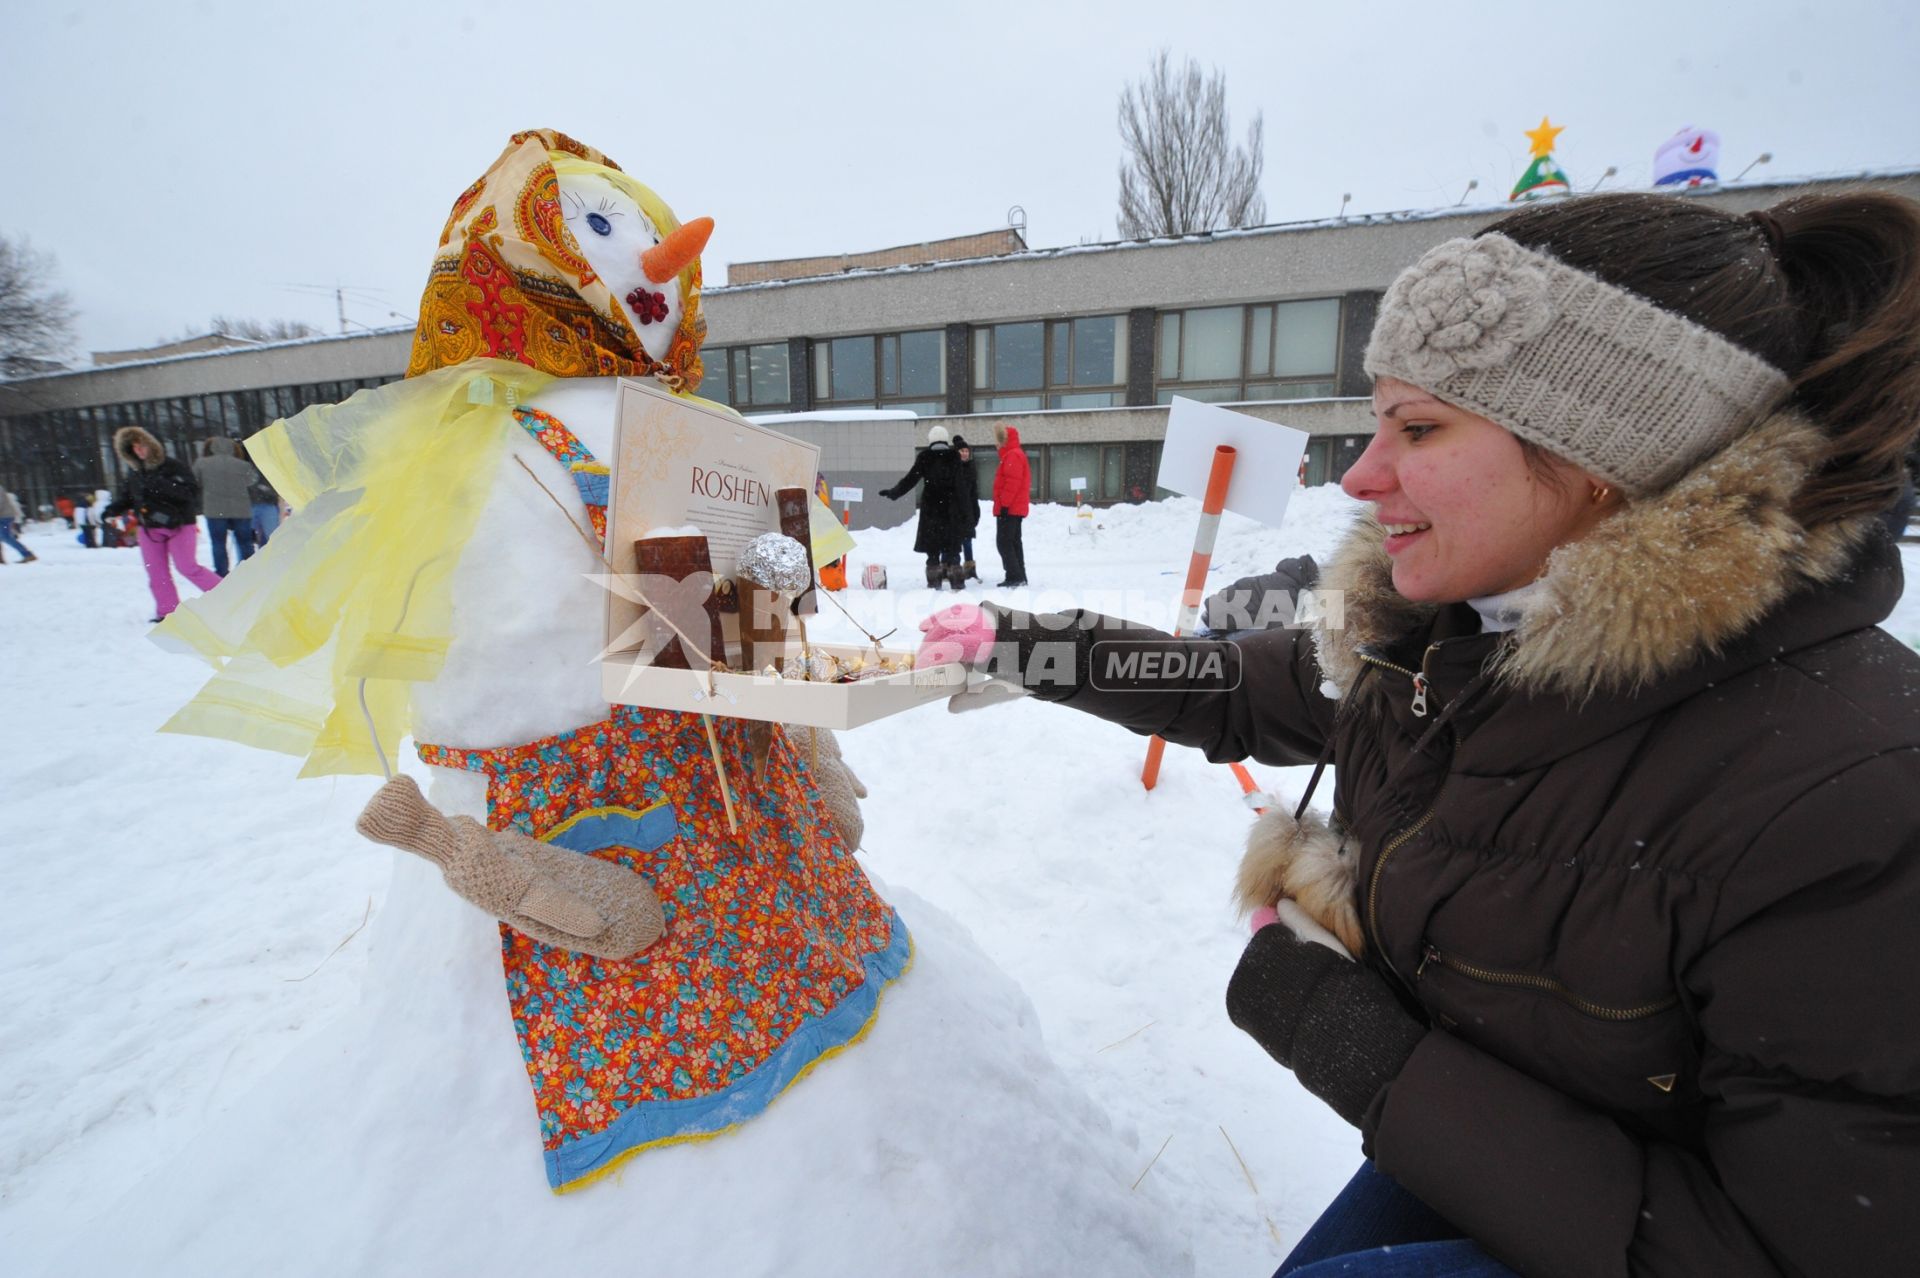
946 1142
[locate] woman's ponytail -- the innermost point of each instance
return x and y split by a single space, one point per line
1852 264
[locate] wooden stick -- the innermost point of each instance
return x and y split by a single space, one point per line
1211 507
1149 1167
1244 1170
720 766
1116 1042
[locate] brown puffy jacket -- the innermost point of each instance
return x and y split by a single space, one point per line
1654 882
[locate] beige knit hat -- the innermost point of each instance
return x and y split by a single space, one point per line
1620 387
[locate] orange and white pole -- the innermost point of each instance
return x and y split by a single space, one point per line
1211 507
1248 787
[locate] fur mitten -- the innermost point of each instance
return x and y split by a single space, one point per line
840 789
554 895
1302 861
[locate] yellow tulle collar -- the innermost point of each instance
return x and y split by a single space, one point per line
387 486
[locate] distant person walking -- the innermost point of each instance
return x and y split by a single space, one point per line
1010 485
224 500
266 502
164 496
86 518
9 516
969 506
941 522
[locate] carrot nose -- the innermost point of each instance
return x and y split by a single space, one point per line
670 256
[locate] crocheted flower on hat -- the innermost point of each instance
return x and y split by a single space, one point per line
1465 304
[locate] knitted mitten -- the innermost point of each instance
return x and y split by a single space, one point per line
1331 1021
555 895
840 789
964 633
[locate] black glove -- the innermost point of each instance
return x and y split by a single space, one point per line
1241 606
1332 1022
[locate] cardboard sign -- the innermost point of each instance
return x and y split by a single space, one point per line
681 462
849 494
1266 467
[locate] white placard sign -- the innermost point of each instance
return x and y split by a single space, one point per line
849 494
1266 468
1078 483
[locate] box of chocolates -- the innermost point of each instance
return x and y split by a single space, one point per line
711 577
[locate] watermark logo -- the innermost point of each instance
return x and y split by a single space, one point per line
674 611
1155 665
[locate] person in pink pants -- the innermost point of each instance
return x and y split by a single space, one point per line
157 545
162 493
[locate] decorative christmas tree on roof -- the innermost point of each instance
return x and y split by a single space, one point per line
1543 177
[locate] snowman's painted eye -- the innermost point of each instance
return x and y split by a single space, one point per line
599 224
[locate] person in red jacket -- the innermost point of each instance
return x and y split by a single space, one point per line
1010 484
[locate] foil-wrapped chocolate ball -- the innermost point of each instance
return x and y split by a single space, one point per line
777 562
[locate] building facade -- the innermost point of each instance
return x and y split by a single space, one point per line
1080 348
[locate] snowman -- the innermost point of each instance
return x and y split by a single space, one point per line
1687 159
725 1046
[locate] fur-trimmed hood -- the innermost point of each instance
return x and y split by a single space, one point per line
126 437
1667 579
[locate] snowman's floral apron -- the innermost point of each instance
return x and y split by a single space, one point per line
776 947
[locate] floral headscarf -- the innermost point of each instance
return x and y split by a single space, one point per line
509 281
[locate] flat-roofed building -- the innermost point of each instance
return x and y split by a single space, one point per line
1081 348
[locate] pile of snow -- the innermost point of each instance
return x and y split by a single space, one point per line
211 1007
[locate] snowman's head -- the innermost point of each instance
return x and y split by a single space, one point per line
556 259
642 254
1690 156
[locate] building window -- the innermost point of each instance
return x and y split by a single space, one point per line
1113 472
1077 363
1273 350
747 377
886 370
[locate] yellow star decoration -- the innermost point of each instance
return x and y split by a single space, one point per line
1542 137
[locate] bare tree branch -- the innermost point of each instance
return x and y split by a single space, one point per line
273 330
1181 173
36 319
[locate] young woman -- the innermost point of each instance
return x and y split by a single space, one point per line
943 518
161 492
1625 830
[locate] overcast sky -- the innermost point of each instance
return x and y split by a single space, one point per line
186 159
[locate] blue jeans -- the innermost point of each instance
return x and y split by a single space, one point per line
1376 1229
266 518
217 530
7 538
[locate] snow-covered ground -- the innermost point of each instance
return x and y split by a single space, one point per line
191 927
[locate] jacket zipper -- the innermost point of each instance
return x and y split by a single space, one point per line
1373 880
1545 984
1419 678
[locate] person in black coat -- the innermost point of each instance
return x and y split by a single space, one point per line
162 493
943 522
969 507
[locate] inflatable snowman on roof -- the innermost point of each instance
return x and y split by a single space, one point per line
443 581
